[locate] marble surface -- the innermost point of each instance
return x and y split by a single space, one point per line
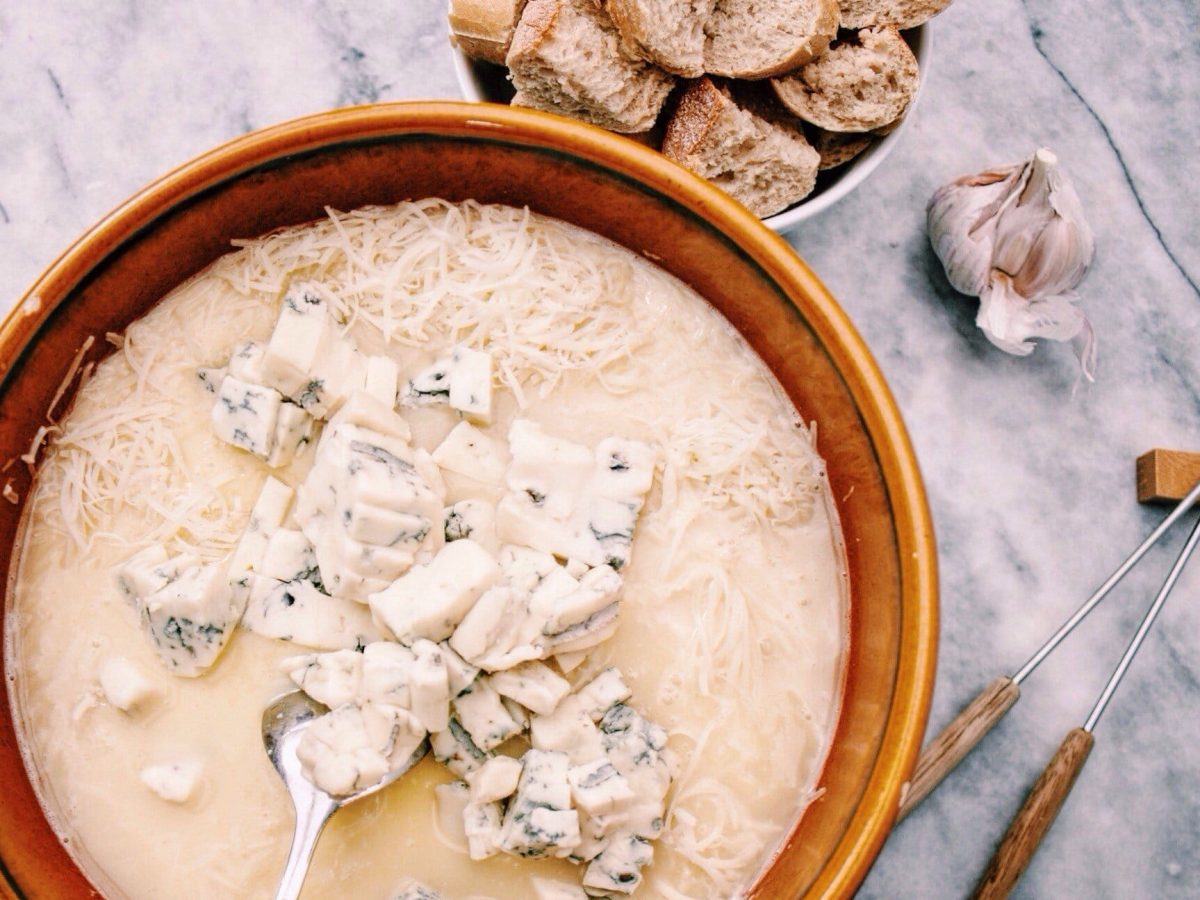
1030 481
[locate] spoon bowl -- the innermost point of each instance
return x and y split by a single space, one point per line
284 722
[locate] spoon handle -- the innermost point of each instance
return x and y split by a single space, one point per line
312 812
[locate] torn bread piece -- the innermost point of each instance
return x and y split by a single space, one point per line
668 33
765 165
861 84
566 57
902 14
755 39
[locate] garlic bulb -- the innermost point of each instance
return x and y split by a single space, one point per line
1016 238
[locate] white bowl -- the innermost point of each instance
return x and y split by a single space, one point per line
488 83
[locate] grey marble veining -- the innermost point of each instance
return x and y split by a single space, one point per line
1030 480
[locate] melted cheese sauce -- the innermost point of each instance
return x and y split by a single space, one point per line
732 623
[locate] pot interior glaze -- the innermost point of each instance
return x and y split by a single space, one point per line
383 154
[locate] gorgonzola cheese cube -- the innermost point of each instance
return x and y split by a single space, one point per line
450 804
414 890
333 679
533 832
268 514
387 673
481 827
603 692
289 556
245 362
296 611
471 383
483 715
429 601
429 687
210 377
598 589
495 780
150 570
598 788
301 338
474 519
543 780
595 629
382 379
460 673
191 619
173 781
461 378
519 714
619 867
366 410
125 685
245 415
568 730
468 451
370 524
356 745
533 685
497 632
455 750
293 429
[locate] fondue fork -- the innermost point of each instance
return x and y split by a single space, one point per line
982 714
1037 814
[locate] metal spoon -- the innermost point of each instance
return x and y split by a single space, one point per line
283 724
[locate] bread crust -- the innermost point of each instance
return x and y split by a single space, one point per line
822 94
733 65
483 29
644 40
903 14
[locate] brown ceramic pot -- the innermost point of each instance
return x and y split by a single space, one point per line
383 154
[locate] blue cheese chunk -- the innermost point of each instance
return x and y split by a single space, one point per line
498 631
125 685
575 503
414 890
539 821
175 782
267 516
569 730
618 867
210 377
595 591
534 685
429 686
190 620
483 715
462 378
293 430
637 748
245 415
603 692
355 746
595 629
387 673
459 673
333 679
598 788
297 611
382 379
303 334
474 519
150 570
289 556
481 827
450 805
495 780
430 601
455 750
246 362
468 451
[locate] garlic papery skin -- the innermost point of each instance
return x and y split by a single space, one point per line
1016 238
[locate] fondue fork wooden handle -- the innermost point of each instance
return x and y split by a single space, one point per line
958 739
1027 830
981 715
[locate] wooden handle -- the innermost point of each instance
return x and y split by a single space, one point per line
952 745
1165 476
1027 830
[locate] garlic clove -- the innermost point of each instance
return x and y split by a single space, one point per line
1016 238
